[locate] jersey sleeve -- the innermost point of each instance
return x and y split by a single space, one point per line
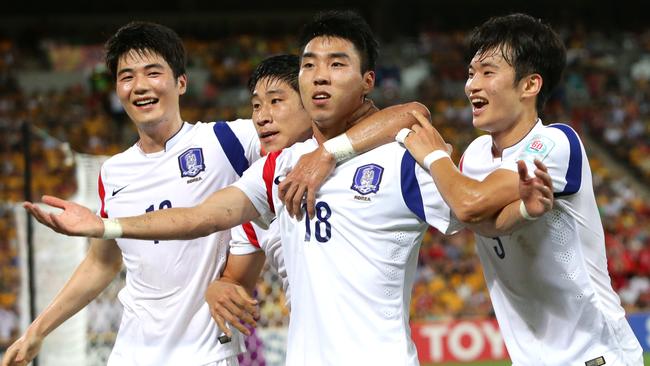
559 148
101 193
270 242
240 143
422 197
257 185
244 240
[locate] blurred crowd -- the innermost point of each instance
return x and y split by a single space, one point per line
606 95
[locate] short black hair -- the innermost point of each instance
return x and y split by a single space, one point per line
144 37
527 44
281 67
349 26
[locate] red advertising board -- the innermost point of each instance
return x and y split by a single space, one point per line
458 340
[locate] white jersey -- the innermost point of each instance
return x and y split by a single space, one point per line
548 281
250 238
351 268
166 320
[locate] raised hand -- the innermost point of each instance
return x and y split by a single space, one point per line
231 303
424 139
535 192
75 220
304 180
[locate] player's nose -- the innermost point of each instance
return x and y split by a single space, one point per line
321 75
140 84
262 116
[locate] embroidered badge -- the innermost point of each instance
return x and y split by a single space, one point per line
537 147
367 178
191 162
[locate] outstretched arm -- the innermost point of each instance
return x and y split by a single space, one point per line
223 210
312 169
91 277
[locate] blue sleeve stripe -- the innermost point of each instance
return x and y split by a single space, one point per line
574 172
410 186
231 147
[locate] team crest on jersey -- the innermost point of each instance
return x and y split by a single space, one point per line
191 162
367 178
537 148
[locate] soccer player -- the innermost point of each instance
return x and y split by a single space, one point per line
276 105
548 281
351 266
174 164
165 320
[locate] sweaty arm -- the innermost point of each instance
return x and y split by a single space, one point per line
472 201
536 199
223 210
373 130
103 261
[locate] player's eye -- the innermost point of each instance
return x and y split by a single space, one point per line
337 64
307 65
275 100
126 78
154 73
256 106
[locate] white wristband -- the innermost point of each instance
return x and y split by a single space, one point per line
401 135
112 229
524 213
433 156
341 147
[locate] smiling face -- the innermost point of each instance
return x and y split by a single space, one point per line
495 97
147 88
278 115
332 86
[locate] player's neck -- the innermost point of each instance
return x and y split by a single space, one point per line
154 135
513 134
325 131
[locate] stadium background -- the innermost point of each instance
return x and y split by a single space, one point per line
52 79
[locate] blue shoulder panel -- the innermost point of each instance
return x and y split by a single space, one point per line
232 147
574 172
410 187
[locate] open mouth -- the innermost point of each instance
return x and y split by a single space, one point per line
267 134
320 97
145 102
478 103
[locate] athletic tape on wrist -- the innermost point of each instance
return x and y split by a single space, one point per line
401 135
341 147
433 156
112 229
524 213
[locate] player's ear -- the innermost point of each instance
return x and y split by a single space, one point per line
181 84
531 85
368 82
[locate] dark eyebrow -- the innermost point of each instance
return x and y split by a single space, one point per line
275 91
329 55
147 67
488 64
272 91
338 55
484 64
